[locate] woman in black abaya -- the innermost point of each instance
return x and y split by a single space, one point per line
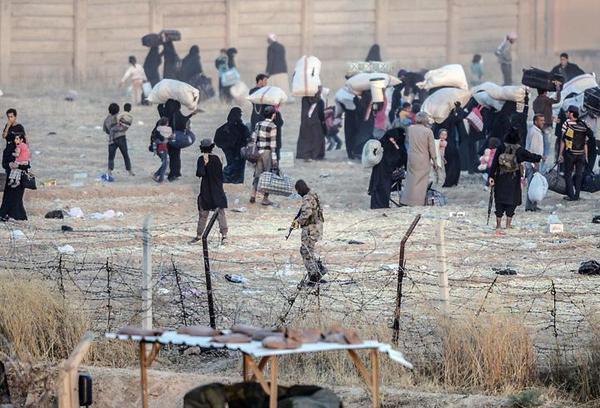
394 156
172 61
151 64
365 121
374 53
311 141
191 66
12 199
230 138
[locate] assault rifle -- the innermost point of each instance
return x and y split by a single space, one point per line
292 225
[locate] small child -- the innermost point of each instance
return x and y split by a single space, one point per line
115 126
22 157
125 119
160 138
406 115
333 126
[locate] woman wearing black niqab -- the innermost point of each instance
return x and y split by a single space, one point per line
12 199
311 140
171 65
394 157
151 65
191 65
374 53
230 138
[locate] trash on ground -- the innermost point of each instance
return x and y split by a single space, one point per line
596 219
106 215
355 242
239 210
589 268
236 279
17 234
79 176
75 212
505 271
66 249
66 228
55 214
71 96
324 175
107 178
555 226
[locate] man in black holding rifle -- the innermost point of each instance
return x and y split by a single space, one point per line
310 219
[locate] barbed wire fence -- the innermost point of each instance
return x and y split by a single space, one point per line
104 279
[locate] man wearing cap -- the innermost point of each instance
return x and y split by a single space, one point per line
277 65
503 52
212 196
574 151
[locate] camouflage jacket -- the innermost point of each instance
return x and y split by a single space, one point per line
310 212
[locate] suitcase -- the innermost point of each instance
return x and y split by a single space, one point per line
539 79
276 184
591 100
171 35
151 40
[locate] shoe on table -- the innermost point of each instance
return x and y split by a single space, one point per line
195 240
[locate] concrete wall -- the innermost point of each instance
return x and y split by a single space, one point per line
89 40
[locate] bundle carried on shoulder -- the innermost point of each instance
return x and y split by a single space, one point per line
514 93
440 104
345 96
359 67
306 79
579 84
540 79
452 75
483 98
184 93
362 82
151 40
372 154
268 95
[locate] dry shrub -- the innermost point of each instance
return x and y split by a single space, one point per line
492 354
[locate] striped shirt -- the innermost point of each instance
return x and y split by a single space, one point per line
266 137
574 135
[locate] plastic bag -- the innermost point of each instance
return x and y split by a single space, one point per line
538 188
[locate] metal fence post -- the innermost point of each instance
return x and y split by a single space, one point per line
443 273
209 292
147 275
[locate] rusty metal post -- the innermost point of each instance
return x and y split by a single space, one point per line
209 291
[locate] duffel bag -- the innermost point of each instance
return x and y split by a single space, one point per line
250 152
230 77
183 139
276 184
151 40
171 35
591 183
435 198
268 95
539 79
556 181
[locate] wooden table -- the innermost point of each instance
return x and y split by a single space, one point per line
256 359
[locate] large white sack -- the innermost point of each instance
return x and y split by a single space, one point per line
377 87
452 75
515 93
538 187
372 153
362 82
345 96
167 89
578 86
268 95
440 104
484 99
306 79
239 91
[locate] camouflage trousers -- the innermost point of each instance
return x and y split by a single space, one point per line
310 236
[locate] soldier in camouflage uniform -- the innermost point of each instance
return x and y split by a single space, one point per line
310 219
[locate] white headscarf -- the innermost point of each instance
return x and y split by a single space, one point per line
272 37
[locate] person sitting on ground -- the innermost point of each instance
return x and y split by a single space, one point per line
310 219
505 176
22 156
212 196
266 142
535 144
574 151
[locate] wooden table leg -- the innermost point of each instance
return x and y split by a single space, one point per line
143 375
245 367
274 373
375 378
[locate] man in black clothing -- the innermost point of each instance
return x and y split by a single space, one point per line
277 65
261 81
567 70
573 151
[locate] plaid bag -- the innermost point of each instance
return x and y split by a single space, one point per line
435 198
277 184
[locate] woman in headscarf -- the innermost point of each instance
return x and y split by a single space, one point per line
394 157
12 199
311 140
191 66
171 60
365 122
421 155
456 132
178 122
151 64
374 53
230 138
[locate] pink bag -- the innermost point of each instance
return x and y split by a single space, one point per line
475 118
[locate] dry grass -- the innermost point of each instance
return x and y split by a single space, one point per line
491 354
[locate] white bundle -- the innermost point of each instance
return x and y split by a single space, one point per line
372 153
515 93
578 86
484 99
440 104
538 187
268 95
167 89
452 75
362 82
306 79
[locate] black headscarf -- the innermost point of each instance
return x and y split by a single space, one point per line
235 116
232 135
374 53
191 65
231 52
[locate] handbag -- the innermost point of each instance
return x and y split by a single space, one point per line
250 152
28 180
475 118
276 184
556 182
230 77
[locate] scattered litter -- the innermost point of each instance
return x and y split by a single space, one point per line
98 127
324 175
237 201
506 271
140 123
79 176
163 291
239 210
77 184
589 268
355 242
37 152
17 234
66 249
555 226
75 212
49 183
71 96
457 214
66 228
51 134
55 214
530 245
82 156
107 178
106 215
596 219
236 279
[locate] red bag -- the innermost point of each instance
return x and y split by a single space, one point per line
475 118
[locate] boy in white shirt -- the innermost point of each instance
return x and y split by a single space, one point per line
535 144
136 74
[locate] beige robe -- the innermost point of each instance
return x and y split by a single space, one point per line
421 152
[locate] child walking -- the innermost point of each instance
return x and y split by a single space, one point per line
115 126
22 157
160 139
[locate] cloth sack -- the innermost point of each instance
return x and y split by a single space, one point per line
452 75
268 95
230 77
440 104
362 82
306 78
184 93
515 93
372 154
277 184
345 96
579 84
538 187
183 139
484 99
151 40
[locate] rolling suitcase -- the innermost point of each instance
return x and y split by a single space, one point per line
171 35
151 40
536 78
591 100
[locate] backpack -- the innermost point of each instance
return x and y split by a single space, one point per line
508 159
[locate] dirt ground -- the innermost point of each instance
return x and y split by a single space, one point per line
70 147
